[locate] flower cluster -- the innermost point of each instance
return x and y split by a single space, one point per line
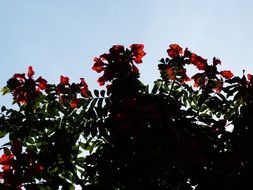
118 62
26 89
18 167
173 68
68 92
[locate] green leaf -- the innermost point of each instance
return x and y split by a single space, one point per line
81 159
3 108
96 93
2 133
154 90
30 140
71 187
102 93
162 61
5 90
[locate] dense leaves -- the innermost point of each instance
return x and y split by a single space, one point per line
187 132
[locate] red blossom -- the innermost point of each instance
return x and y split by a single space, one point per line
199 80
138 53
250 77
6 161
171 73
198 61
116 49
99 65
30 72
6 167
101 80
227 74
174 50
19 77
74 103
23 89
83 87
42 83
64 80
119 61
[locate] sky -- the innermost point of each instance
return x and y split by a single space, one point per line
62 37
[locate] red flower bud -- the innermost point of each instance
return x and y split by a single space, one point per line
30 72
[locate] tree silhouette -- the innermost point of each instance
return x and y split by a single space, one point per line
174 136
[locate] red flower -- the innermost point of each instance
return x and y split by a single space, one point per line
250 77
174 50
116 49
199 80
6 167
138 53
119 61
24 90
101 80
99 65
30 72
83 87
64 80
227 74
6 159
19 77
73 104
42 83
171 73
198 61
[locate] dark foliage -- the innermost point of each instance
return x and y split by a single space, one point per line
185 133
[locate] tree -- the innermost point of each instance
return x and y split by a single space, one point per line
173 136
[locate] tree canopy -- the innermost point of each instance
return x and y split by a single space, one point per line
185 132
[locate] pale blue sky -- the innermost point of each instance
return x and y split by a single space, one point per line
63 36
